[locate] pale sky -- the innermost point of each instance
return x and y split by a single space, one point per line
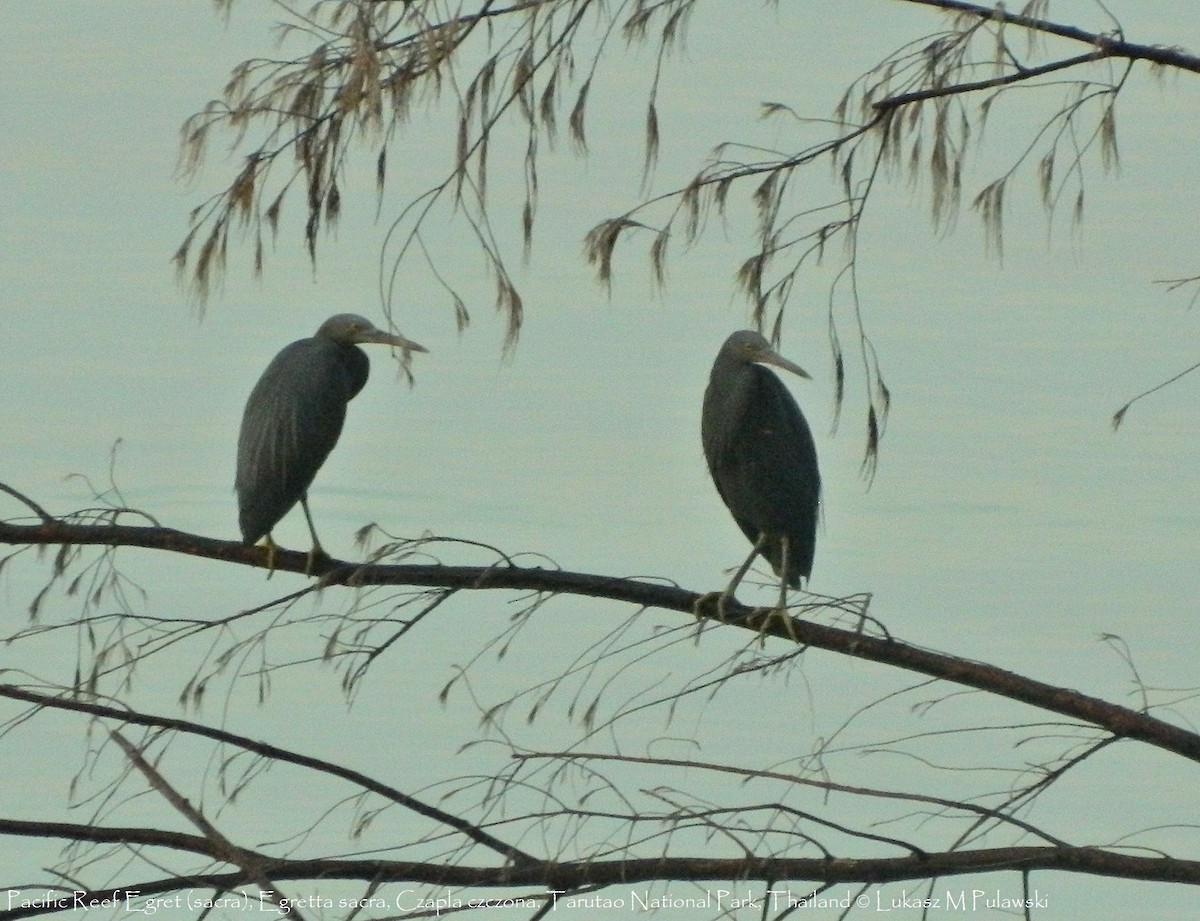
1007 521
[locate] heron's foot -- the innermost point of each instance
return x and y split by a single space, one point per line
712 604
272 549
315 555
778 613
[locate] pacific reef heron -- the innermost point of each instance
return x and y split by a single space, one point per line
763 461
293 419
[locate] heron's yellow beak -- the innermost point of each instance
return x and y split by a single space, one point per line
774 358
379 336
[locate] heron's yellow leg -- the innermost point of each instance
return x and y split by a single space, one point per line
317 550
272 549
781 609
724 597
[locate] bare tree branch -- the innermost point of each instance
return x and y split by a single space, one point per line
559 878
273 752
1113 44
1119 721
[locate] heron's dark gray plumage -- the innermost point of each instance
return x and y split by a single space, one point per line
761 454
294 416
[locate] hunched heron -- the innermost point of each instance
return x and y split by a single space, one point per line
293 419
763 461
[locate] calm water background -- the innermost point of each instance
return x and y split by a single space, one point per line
1007 521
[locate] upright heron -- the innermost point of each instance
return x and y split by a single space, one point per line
293 419
762 458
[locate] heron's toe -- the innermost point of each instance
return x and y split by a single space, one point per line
271 549
713 605
316 555
781 614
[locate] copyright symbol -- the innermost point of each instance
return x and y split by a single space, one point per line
863 901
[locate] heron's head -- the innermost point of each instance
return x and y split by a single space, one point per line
351 329
749 347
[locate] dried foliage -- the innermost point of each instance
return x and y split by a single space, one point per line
366 65
624 795
919 114
618 804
